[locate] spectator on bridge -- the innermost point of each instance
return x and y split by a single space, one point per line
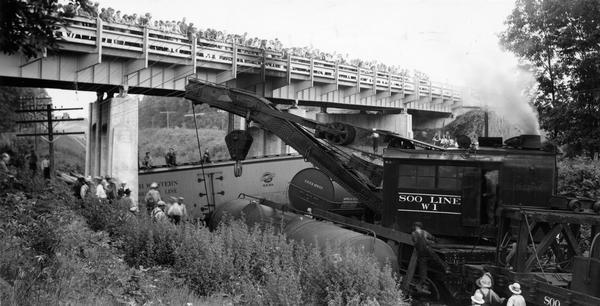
171 158
46 167
152 197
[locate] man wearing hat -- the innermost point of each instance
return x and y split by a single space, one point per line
485 284
177 211
147 162
171 158
122 189
423 240
158 214
152 197
100 192
477 299
516 299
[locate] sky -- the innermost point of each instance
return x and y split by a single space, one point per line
450 40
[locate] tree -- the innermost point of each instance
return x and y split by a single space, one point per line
9 102
28 26
561 40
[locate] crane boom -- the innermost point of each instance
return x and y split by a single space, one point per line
287 127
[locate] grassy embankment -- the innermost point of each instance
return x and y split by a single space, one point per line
57 250
158 142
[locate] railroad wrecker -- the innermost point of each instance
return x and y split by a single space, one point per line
493 207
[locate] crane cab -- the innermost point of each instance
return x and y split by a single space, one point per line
457 192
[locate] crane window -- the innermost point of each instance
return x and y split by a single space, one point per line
414 176
449 177
430 177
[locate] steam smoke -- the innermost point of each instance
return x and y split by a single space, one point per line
498 84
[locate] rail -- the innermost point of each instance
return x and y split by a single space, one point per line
142 40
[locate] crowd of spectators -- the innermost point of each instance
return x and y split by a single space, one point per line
188 29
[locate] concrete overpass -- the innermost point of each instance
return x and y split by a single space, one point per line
109 57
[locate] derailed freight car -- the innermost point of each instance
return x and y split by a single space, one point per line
208 185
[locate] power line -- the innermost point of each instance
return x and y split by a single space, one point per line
50 120
168 112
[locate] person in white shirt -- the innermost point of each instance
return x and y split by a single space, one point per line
46 167
100 193
177 211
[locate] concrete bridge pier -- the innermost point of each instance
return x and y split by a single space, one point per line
112 145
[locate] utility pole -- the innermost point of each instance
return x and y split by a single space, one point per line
50 129
167 112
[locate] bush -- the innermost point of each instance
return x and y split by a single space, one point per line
249 265
49 256
259 266
579 176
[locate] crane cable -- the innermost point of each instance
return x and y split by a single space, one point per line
200 154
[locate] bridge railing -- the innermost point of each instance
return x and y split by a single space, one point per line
125 37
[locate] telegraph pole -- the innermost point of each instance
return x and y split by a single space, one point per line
50 129
167 112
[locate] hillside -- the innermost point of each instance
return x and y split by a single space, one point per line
158 142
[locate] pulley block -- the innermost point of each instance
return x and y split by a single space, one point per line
344 133
238 143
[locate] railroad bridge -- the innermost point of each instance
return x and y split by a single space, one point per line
111 59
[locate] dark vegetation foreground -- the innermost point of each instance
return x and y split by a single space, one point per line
55 249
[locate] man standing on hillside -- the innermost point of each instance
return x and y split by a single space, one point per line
177 211
32 157
152 197
46 167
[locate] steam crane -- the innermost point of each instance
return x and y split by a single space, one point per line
494 208
289 128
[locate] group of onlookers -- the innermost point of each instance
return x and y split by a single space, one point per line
171 159
110 191
161 211
182 27
445 141
31 159
485 295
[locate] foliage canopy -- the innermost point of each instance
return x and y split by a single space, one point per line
28 26
561 39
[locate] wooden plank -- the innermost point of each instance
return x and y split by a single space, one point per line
410 272
543 246
522 241
571 239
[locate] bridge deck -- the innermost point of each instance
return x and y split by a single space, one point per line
98 55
